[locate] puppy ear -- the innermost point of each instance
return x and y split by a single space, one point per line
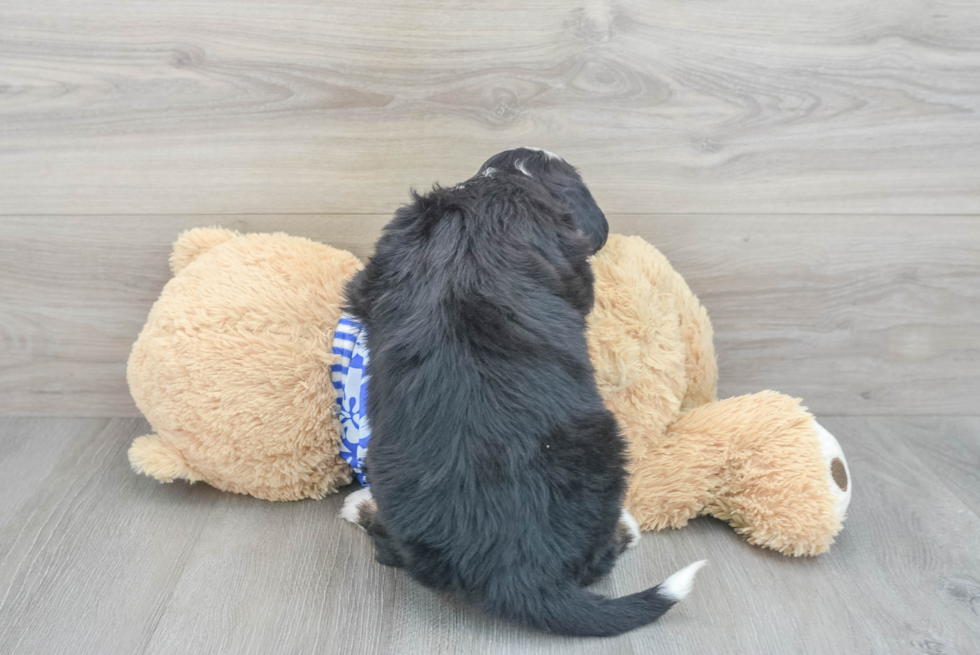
578 281
563 265
585 212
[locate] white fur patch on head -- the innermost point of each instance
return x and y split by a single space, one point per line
678 586
632 526
489 172
352 505
549 155
519 165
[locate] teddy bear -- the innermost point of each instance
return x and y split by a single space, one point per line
233 372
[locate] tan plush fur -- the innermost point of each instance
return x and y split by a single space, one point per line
233 372
753 461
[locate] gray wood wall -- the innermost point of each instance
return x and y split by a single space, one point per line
815 176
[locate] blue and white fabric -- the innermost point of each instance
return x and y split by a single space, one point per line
350 378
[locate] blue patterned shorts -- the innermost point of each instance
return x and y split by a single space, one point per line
350 378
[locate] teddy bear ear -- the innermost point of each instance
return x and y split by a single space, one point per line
193 243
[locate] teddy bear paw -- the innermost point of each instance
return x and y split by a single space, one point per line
838 473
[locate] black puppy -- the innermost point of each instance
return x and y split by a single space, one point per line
496 470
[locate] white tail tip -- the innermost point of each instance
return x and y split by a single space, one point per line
678 586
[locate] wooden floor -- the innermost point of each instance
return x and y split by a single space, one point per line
94 559
812 169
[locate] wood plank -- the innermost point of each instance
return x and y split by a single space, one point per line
951 450
240 106
30 451
91 559
101 558
855 314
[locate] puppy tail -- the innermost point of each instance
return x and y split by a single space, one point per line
575 612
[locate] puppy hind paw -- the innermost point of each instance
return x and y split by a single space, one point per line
628 530
359 508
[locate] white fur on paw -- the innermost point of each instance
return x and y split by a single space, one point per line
351 510
631 525
678 586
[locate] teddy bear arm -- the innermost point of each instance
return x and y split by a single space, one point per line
639 296
775 483
701 366
696 334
